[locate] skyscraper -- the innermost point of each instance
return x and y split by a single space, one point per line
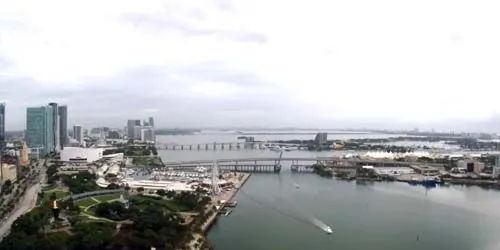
55 125
63 126
130 128
2 123
151 122
78 133
39 128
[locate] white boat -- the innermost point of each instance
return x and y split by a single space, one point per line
297 186
328 230
275 148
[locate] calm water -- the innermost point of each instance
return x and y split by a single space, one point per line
273 214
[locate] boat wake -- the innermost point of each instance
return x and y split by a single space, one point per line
308 220
275 209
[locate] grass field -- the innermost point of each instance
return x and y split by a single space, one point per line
168 204
107 197
86 202
59 194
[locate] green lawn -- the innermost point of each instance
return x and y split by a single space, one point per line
86 202
59 194
143 201
107 197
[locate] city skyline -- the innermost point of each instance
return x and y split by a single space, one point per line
187 71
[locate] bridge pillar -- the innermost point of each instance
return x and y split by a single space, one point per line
222 146
190 147
215 146
206 146
173 147
182 147
230 146
238 146
198 146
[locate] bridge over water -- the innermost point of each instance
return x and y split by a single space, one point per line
222 145
273 164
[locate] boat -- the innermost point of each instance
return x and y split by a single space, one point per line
297 186
232 204
275 148
328 230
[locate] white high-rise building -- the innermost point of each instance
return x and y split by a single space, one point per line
137 132
148 134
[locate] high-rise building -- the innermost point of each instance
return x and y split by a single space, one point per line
63 126
24 159
137 122
137 132
321 138
147 134
130 128
151 122
55 125
39 128
2 124
78 133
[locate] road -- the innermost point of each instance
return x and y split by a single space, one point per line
27 203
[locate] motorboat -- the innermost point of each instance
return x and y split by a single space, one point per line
297 186
328 230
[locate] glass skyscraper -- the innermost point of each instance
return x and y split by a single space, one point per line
39 128
63 126
2 123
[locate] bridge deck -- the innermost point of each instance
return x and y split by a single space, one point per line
302 159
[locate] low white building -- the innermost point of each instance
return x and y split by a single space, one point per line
157 185
75 154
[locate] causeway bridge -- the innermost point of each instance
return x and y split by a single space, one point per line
298 164
258 145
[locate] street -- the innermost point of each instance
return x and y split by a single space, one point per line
25 205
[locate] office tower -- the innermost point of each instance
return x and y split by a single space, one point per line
130 128
138 123
151 122
63 126
55 125
2 124
78 133
39 128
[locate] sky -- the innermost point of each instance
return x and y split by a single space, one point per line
267 63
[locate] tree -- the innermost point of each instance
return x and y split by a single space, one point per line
92 235
140 189
127 188
53 196
113 186
170 194
161 192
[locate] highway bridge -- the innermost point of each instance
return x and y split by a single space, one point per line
298 164
327 160
224 145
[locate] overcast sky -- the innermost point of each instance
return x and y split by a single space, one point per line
315 63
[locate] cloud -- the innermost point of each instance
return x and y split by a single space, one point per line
224 62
